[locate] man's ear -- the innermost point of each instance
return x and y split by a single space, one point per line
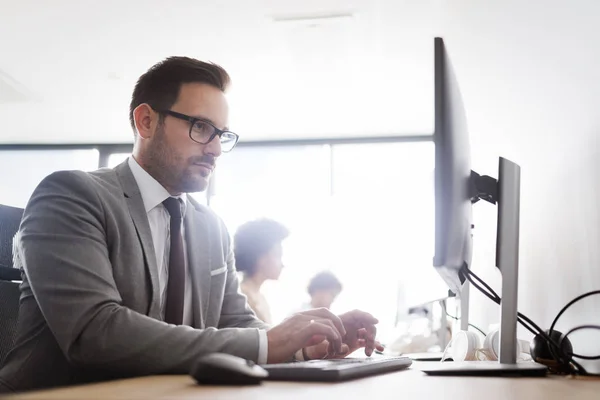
145 120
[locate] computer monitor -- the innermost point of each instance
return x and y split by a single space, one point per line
453 216
457 187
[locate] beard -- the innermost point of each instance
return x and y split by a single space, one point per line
170 169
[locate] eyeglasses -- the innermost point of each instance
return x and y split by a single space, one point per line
203 131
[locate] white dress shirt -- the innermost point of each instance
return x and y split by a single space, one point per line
153 194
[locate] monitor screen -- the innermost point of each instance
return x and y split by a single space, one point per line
453 218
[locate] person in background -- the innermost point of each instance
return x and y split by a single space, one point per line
258 255
323 290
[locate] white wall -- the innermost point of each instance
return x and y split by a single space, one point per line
530 77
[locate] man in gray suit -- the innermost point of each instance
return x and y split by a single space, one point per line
125 275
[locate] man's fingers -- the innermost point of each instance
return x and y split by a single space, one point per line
320 324
322 327
324 313
316 339
361 333
370 340
345 350
336 344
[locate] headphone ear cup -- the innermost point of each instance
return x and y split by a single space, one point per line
488 344
464 346
492 345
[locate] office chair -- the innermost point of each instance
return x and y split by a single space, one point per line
10 219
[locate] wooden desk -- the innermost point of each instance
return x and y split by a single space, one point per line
406 385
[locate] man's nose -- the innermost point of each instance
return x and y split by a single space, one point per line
213 147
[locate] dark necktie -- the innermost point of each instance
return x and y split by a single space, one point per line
176 283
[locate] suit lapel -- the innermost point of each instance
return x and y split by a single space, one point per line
142 226
198 243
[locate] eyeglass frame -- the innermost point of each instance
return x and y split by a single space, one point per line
192 120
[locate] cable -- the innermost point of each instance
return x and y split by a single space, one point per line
527 326
456 318
523 317
525 321
492 295
578 328
580 370
569 304
445 351
561 312
575 300
560 355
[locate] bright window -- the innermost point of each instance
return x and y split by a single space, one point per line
365 212
22 170
117 158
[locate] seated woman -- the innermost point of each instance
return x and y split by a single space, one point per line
323 290
258 252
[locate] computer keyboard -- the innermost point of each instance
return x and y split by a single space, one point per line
335 370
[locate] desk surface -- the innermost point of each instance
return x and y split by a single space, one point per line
408 384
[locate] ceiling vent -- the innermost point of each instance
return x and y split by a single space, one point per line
313 20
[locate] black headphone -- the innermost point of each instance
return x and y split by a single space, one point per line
554 349
557 358
551 348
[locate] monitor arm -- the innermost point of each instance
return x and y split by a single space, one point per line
483 188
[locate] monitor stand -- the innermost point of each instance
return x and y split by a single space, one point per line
506 192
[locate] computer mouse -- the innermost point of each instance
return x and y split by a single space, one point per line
226 369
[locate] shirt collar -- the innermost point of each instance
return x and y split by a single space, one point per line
152 192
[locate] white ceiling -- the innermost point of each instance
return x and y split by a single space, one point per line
67 68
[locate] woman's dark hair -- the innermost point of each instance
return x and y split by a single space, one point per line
324 281
255 239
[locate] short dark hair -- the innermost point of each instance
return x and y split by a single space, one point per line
324 281
255 239
159 86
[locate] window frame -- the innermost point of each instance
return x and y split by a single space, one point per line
105 150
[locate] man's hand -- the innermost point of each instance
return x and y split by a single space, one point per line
360 332
306 329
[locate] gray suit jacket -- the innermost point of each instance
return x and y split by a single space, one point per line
89 306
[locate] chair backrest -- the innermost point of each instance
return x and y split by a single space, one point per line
9 314
10 219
